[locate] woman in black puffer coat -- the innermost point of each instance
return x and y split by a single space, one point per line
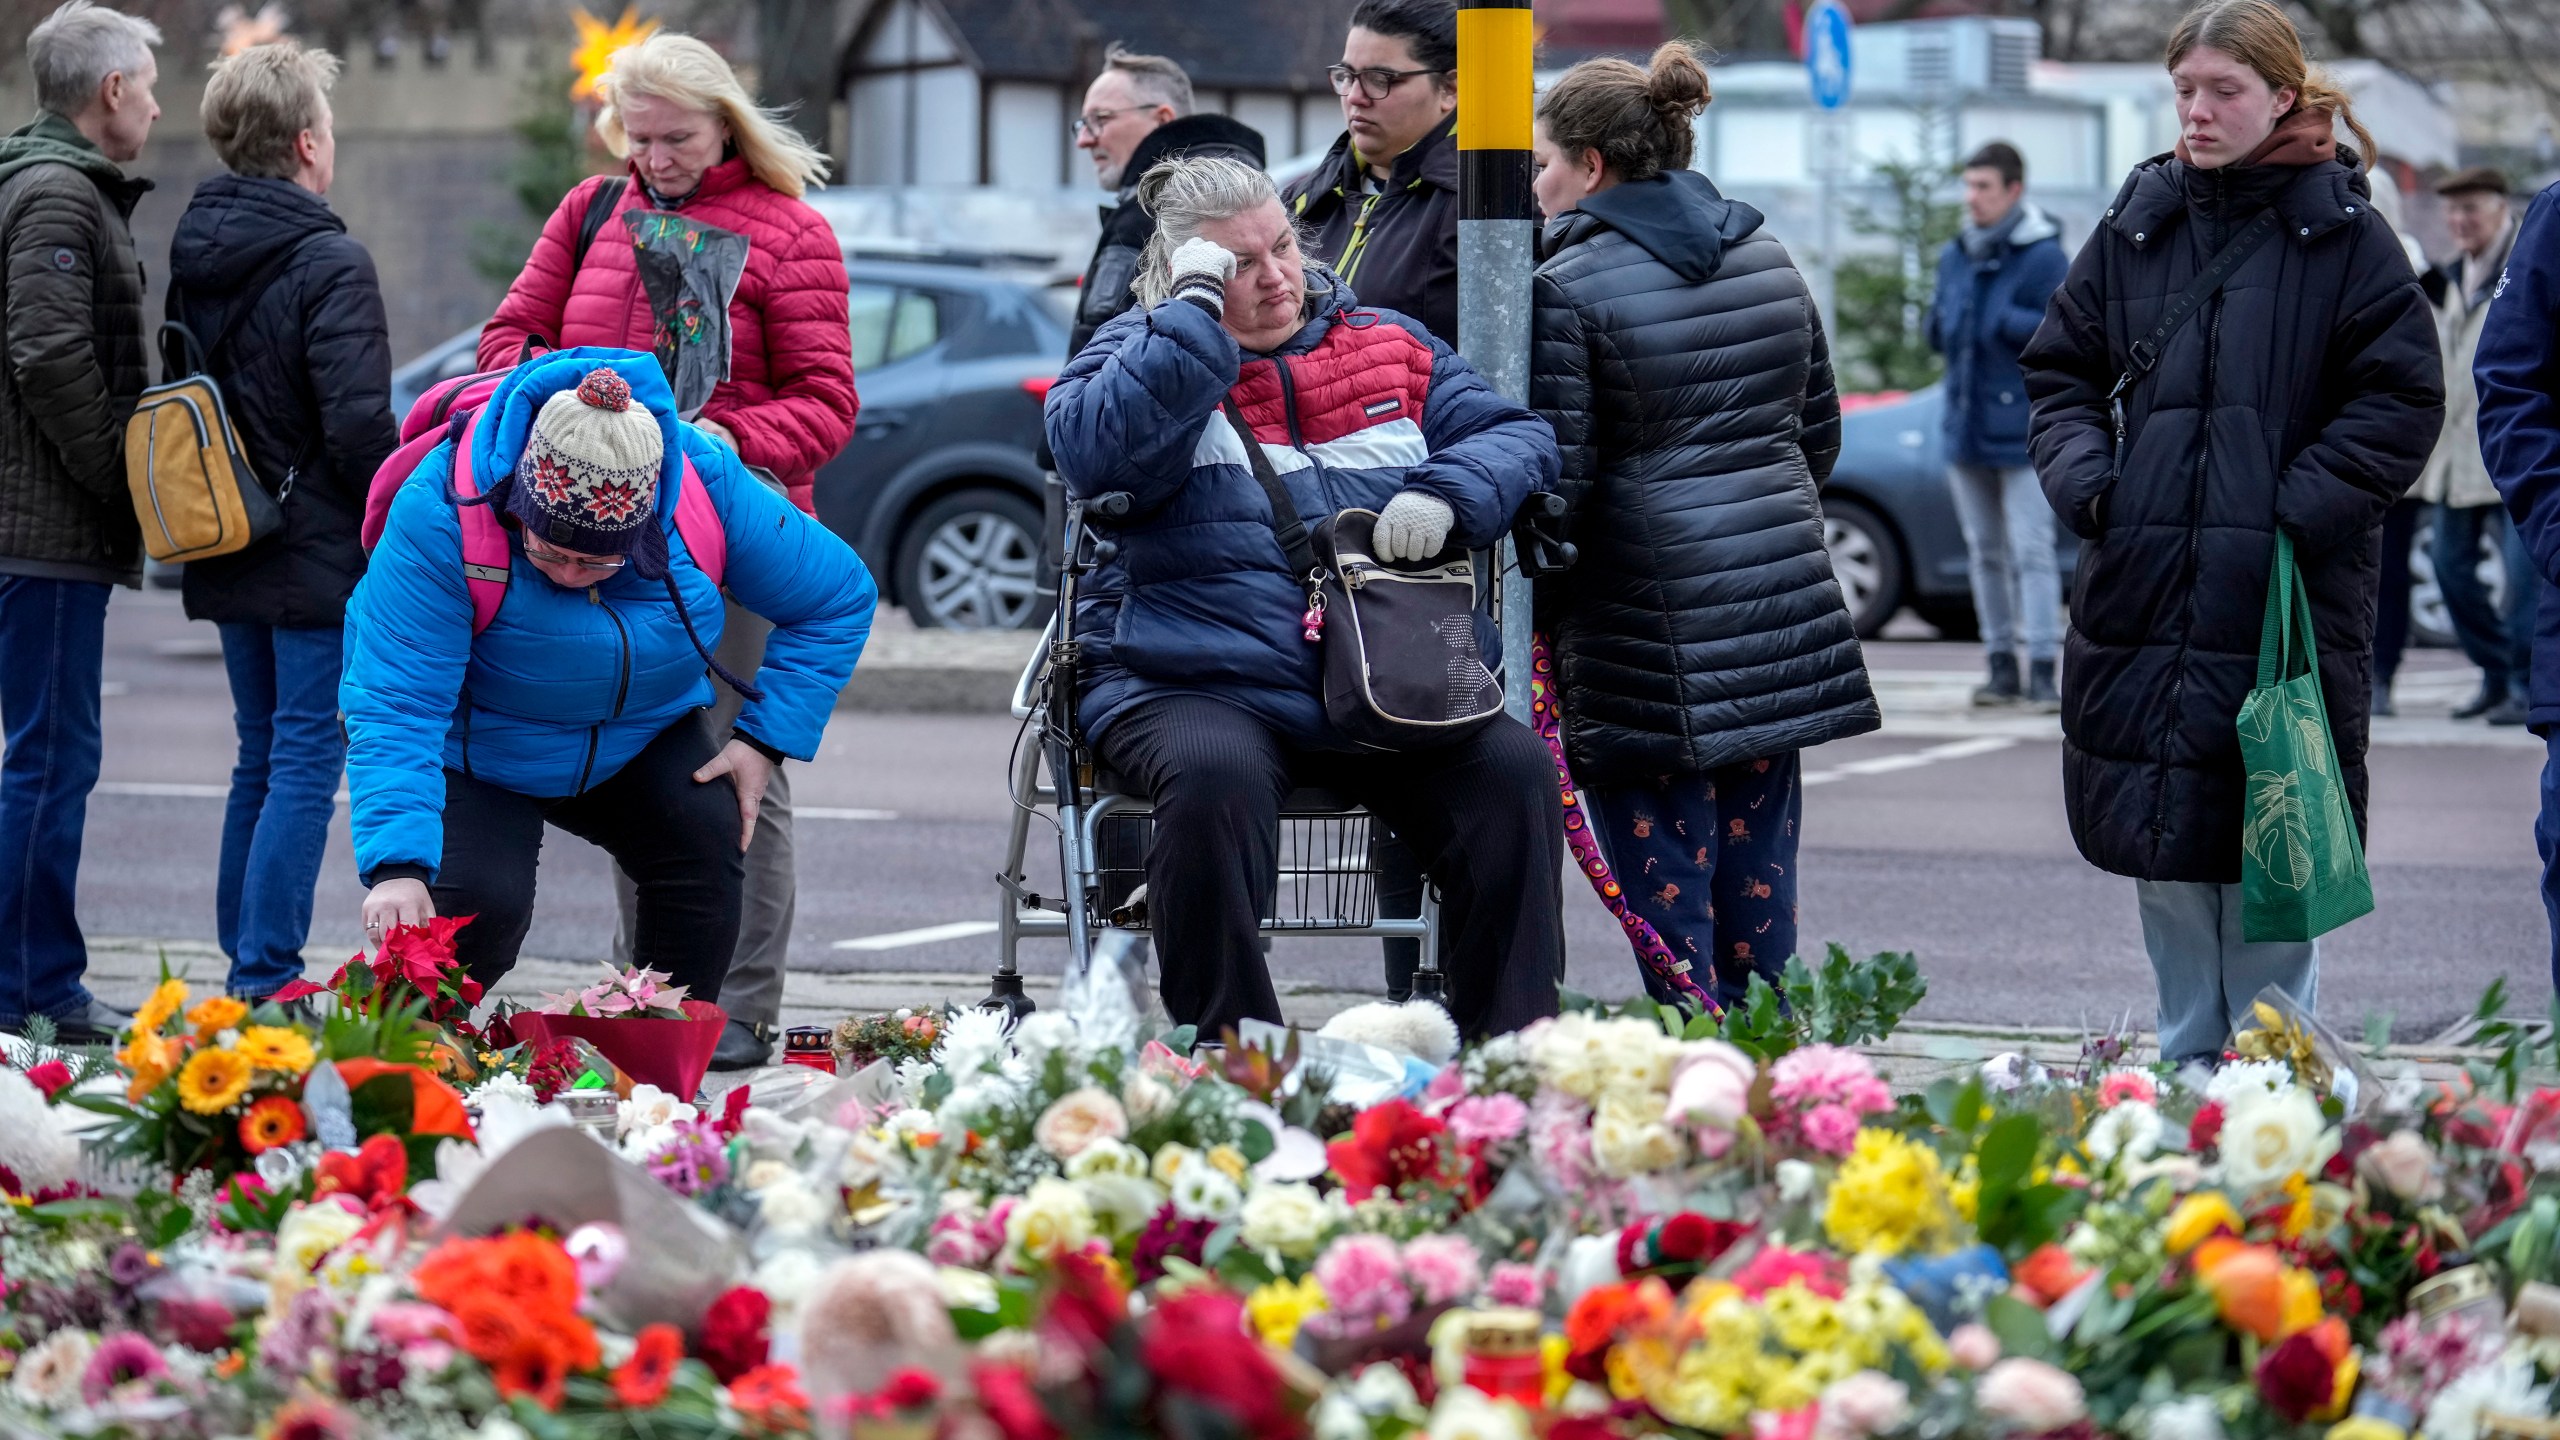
2306 395
1701 639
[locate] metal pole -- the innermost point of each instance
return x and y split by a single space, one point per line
1496 247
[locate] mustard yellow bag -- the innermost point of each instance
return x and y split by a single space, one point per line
192 486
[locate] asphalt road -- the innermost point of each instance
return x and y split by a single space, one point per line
1943 836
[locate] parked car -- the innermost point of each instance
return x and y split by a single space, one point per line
1891 525
939 490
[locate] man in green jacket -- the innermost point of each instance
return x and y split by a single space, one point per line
71 325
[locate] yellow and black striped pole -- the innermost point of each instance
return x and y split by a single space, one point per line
1497 41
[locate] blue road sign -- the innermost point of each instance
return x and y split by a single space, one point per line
1826 53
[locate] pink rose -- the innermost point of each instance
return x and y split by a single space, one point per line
1515 1284
1078 1118
1445 1268
1865 1404
1831 1129
1711 1087
2031 1394
1488 1119
1973 1347
2403 1165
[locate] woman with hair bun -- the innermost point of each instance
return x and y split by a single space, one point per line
1701 640
2303 396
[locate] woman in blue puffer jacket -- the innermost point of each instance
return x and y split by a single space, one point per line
1200 684
581 701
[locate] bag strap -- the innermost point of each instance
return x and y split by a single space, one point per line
2145 352
1285 523
600 208
2286 645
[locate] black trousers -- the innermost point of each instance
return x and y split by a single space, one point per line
1481 815
676 839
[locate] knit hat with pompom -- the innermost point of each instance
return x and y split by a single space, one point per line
588 478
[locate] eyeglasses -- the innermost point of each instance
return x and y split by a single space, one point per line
536 550
1373 83
1092 124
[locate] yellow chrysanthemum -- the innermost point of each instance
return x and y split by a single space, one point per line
273 1047
214 1080
213 1016
164 1002
1277 1310
1890 1197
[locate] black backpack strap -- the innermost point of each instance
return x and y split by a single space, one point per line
1284 511
600 206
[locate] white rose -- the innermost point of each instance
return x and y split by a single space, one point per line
310 1232
1203 1192
1078 1119
1639 1058
1797 1181
2130 1130
1628 1136
1107 1157
2035 1396
791 1208
2269 1138
1146 1096
2403 1164
1466 1413
1572 1056
2192 1417
1290 1218
1054 1216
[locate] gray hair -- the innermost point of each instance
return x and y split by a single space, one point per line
1184 194
77 47
1152 78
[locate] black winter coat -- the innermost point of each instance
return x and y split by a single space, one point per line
1126 227
2307 395
306 375
73 322
1682 363
1396 244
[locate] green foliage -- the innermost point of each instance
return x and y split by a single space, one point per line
552 156
2015 1212
2522 1048
1879 301
1840 1002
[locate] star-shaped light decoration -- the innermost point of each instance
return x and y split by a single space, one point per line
237 29
597 42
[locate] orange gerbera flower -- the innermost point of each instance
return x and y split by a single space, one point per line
770 1400
151 1060
642 1380
271 1122
165 1001
217 1014
539 1367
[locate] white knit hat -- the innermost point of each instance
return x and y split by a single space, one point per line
588 478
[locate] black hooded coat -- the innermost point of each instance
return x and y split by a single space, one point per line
1681 361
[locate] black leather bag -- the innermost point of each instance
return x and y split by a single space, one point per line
1402 667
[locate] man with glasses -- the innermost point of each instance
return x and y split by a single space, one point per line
1383 207
1137 113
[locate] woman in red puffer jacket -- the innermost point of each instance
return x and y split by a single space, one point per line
700 146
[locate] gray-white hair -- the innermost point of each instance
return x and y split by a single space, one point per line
78 46
1184 194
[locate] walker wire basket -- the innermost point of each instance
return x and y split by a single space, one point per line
1328 877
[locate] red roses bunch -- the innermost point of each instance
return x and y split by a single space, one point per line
1394 1146
1185 1368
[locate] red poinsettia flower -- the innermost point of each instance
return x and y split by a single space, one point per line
376 1174
1390 1146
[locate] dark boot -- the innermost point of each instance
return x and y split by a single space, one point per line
2002 688
2510 711
2489 697
2382 706
2042 694
742 1047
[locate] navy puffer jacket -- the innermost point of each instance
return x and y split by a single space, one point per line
1357 406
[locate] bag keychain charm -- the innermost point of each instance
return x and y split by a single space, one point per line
1312 622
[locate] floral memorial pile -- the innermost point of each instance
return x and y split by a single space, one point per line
415 1216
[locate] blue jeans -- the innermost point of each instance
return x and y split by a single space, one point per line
2500 644
2208 975
1710 862
2008 541
2546 839
284 702
53 636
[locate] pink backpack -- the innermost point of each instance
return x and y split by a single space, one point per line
451 410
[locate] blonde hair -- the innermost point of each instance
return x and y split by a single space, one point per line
260 101
683 71
1183 194
2262 37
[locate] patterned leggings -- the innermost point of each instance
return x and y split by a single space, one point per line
1710 860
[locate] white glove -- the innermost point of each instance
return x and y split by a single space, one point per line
1413 527
1201 270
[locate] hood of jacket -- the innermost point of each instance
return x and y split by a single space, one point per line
1432 161
1202 134
2313 199
50 139
498 438
237 223
1678 217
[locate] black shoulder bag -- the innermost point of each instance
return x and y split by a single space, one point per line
1402 669
2146 351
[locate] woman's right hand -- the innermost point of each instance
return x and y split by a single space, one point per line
395 903
1201 269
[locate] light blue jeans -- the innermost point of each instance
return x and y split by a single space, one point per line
2208 975
2008 541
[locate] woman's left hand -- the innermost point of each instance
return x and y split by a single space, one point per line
748 768
717 431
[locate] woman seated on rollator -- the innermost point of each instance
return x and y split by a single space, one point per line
1199 681
581 701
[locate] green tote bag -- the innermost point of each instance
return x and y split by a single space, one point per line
2302 867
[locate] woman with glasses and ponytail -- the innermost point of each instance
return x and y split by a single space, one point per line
580 697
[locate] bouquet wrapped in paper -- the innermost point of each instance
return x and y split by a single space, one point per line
651 1031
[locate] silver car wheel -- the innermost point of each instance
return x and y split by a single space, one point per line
981 572
1855 561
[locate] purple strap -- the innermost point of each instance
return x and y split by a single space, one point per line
1546 716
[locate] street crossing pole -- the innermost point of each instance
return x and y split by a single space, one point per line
1496 251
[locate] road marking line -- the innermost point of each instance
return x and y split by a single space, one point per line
190 790
900 939
838 812
1911 759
